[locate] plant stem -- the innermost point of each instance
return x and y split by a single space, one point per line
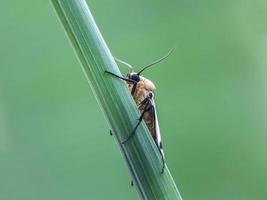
140 152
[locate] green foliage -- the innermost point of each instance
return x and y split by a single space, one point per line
211 99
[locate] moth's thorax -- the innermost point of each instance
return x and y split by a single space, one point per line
143 88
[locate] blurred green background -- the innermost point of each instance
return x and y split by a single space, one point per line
211 98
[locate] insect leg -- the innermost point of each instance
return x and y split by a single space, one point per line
125 79
162 158
146 109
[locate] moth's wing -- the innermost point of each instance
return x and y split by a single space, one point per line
157 137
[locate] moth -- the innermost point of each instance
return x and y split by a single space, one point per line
142 91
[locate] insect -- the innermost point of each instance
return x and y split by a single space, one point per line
142 90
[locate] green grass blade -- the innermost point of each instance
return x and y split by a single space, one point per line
140 153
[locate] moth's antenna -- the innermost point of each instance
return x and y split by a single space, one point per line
155 62
124 63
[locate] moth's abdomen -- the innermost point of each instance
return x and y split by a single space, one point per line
150 122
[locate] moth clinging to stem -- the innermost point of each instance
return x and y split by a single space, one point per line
142 91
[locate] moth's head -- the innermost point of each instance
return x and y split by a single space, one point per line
134 76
